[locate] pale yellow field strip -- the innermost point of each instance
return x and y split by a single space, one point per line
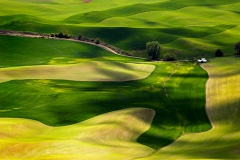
109 136
223 109
88 71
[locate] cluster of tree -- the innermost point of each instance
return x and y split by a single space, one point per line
94 40
154 51
61 35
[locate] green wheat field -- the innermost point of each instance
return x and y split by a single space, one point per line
67 100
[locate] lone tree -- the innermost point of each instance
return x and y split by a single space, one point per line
237 47
153 50
218 53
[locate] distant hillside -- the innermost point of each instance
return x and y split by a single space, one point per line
186 27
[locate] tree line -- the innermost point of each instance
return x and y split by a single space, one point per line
219 53
80 37
153 51
153 48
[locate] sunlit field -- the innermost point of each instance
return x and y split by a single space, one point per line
77 98
62 83
223 103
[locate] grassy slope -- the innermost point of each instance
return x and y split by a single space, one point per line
130 24
222 142
27 51
30 139
61 102
88 71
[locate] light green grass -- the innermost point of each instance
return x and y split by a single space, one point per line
88 71
58 9
63 102
223 102
28 51
21 138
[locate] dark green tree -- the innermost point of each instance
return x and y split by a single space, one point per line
66 35
169 57
218 53
237 48
60 35
153 50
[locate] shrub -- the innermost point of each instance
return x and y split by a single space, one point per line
66 35
97 41
169 57
80 37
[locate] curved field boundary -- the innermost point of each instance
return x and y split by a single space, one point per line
223 108
37 35
108 136
88 71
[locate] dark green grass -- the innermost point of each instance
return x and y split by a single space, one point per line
17 51
132 38
61 102
172 21
58 103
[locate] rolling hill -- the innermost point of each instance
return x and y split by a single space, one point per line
188 28
64 99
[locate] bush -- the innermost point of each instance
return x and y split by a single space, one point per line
80 37
169 57
66 35
97 41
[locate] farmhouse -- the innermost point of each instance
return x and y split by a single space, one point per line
202 60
